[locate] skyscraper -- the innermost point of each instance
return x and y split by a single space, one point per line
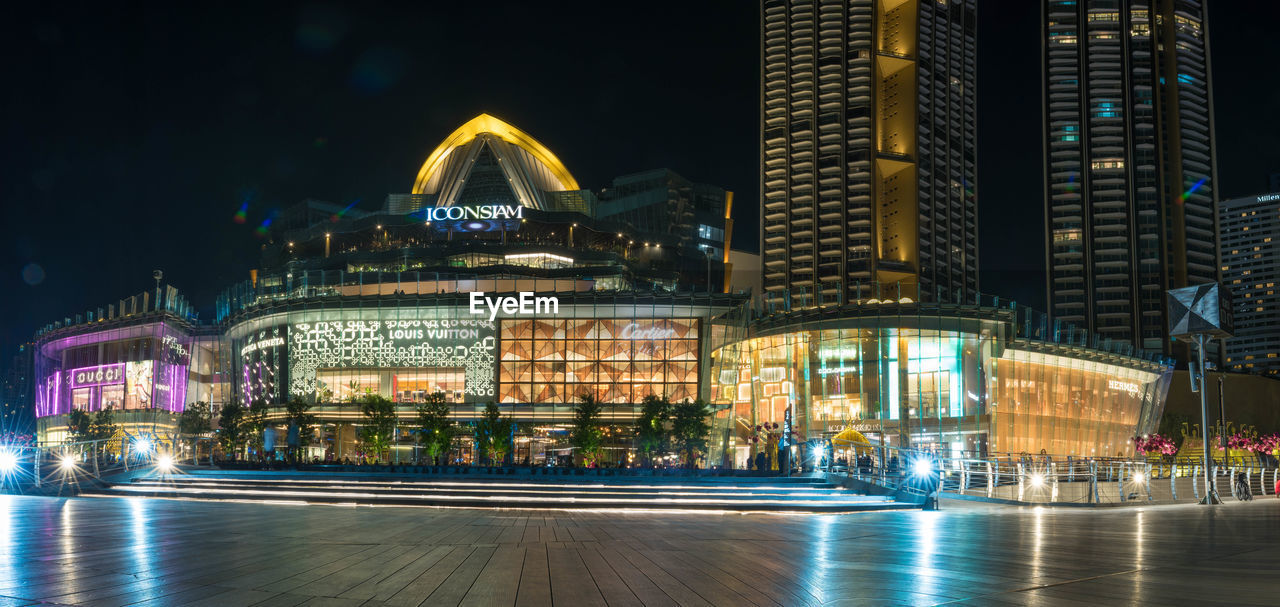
1130 177
868 162
1250 248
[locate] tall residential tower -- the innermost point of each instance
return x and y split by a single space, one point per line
1130 180
1250 248
868 160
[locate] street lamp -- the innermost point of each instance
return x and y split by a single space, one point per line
142 445
8 462
1198 314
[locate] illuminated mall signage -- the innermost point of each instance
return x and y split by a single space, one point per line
1124 386
483 213
525 304
97 376
633 331
270 342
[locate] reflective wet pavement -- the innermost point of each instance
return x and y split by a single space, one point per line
107 551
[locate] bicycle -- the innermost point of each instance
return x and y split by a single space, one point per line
1243 493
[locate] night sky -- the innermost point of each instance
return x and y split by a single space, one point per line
132 134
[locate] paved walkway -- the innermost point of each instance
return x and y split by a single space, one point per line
107 551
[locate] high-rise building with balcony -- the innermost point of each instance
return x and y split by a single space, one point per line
1250 248
1130 176
868 157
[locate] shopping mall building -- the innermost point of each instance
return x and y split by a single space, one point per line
499 279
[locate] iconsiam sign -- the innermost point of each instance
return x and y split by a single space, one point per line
487 212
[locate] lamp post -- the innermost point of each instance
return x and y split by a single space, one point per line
707 253
1210 496
1198 314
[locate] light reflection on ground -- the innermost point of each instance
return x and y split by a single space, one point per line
122 551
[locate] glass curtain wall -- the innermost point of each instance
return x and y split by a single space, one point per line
952 384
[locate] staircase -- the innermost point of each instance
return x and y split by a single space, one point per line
739 494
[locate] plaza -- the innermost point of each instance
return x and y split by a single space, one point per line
138 551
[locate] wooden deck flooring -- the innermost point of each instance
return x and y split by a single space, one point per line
104 551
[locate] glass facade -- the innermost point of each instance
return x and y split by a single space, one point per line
615 360
618 347
136 367
144 368
965 384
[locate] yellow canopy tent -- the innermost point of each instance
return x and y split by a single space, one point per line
851 439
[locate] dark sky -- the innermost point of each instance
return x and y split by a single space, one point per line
132 133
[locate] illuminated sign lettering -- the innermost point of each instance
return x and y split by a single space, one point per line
633 331
1124 386
97 376
1268 197
525 304
487 212
271 342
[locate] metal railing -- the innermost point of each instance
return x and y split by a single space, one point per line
1044 479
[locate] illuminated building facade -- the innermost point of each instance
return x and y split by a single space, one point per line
495 279
868 149
1130 174
968 380
1250 248
144 361
515 298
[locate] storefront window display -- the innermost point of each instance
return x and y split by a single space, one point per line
954 391
131 368
616 360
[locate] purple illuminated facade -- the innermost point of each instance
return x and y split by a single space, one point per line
138 363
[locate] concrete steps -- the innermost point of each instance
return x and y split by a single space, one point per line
628 493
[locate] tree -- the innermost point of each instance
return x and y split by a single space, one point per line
297 414
79 425
255 422
435 429
104 426
586 435
231 431
196 419
493 434
689 429
379 424
652 437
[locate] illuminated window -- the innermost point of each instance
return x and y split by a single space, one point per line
1187 26
1066 235
1107 163
617 360
539 260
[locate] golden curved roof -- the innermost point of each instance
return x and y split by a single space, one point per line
484 123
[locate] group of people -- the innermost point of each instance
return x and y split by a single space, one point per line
867 463
764 463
